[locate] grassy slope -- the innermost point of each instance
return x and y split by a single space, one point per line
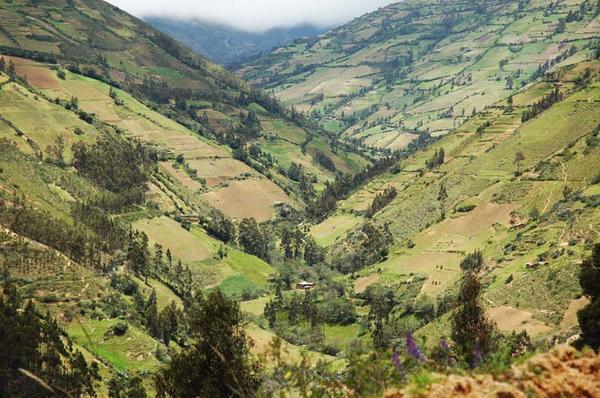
79 297
479 170
125 50
42 121
75 294
462 55
235 273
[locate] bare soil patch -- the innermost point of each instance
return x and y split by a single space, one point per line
247 198
511 319
218 170
39 77
570 316
181 176
361 284
563 372
183 244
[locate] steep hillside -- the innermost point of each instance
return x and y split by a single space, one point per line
522 189
133 174
420 67
99 41
126 162
224 44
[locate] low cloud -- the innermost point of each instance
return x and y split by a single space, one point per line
255 15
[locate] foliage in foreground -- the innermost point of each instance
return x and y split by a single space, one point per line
218 363
35 361
589 316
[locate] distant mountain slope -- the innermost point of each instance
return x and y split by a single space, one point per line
421 66
224 44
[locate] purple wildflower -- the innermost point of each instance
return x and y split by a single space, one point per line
447 352
397 363
412 348
444 344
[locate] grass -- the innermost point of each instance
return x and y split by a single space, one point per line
341 336
132 351
330 230
183 244
256 306
237 285
234 274
479 170
41 120
164 295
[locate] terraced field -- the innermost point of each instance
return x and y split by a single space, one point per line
412 68
479 176
41 121
107 45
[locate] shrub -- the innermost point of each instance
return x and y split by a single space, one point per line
465 208
119 329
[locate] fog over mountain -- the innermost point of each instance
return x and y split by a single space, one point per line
225 44
256 15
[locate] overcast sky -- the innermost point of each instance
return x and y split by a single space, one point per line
255 15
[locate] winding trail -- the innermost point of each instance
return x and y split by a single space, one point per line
547 202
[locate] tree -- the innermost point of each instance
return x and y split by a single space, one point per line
169 322
437 159
286 244
313 253
137 255
74 103
122 386
472 262
589 316
472 332
381 200
10 70
442 198
220 226
218 363
252 240
151 315
56 152
117 165
519 157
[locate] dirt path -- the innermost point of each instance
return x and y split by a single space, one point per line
564 171
547 203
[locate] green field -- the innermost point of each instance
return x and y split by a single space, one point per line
236 273
135 350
